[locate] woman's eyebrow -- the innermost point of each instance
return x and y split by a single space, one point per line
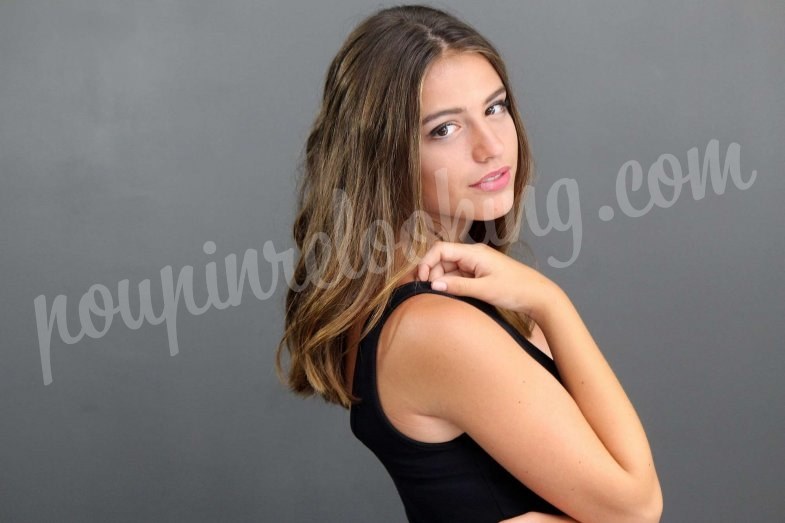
457 110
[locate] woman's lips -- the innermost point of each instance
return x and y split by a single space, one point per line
494 182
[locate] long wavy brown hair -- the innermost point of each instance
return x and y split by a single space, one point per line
360 192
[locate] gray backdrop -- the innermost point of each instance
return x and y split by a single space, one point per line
134 133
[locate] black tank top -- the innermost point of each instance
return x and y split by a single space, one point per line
454 481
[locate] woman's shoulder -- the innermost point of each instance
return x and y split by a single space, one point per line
441 352
434 310
428 324
429 311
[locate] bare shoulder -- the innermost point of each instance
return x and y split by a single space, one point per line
425 325
432 324
430 315
429 325
415 341
452 349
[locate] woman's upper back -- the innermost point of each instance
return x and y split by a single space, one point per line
451 480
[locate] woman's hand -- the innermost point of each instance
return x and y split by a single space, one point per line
482 272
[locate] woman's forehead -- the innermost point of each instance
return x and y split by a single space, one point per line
457 76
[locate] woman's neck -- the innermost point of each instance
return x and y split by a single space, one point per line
403 254
450 229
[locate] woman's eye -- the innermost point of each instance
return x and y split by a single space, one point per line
503 105
441 131
437 133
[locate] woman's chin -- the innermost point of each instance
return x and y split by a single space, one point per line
498 207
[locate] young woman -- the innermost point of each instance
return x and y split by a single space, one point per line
470 375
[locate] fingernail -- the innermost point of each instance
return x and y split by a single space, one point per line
439 286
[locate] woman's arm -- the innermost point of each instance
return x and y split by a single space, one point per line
581 446
592 384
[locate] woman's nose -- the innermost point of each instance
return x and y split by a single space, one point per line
486 143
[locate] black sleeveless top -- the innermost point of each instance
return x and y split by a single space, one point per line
454 481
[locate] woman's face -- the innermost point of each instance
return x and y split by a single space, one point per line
466 134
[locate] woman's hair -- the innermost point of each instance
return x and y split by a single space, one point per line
360 193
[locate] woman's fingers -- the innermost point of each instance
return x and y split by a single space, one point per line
425 273
450 265
482 272
479 271
442 252
434 266
436 272
459 285
451 256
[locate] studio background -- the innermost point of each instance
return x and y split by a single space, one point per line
134 133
